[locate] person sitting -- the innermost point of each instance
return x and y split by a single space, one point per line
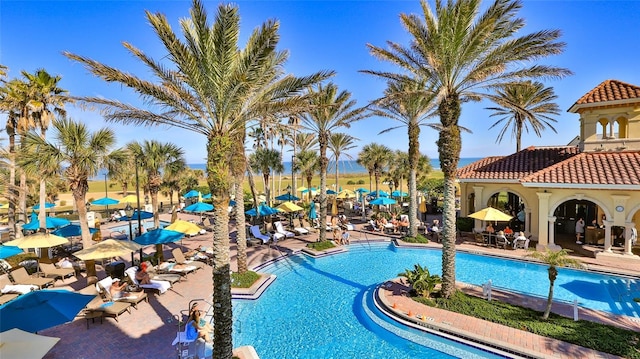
396 224
141 275
490 229
201 325
117 289
501 240
508 231
520 237
346 238
435 231
115 216
403 223
334 222
337 235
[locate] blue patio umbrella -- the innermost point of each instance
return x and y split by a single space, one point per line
330 191
46 205
104 201
198 207
192 193
362 190
207 196
382 201
71 230
52 222
134 216
158 236
9 251
287 197
42 309
312 211
232 203
263 209
378 193
397 193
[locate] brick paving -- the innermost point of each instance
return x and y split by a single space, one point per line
149 331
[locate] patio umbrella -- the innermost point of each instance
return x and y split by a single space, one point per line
51 222
4 206
134 216
42 309
397 193
491 214
301 188
334 207
9 251
198 207
104 201
289 207
158 236
46 205
185 227
346 194
17 344
72 230
207 196
287 197
107 249
423 206
362 190
382 201
330 191
263 209
38 240
192 193
379 193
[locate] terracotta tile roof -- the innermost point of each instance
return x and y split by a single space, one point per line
518 165
610 90
593 168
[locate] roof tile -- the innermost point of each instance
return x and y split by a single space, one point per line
610 90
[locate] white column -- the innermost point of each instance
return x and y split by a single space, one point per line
552 231
543 212
607 235
627 237
527 220
476 204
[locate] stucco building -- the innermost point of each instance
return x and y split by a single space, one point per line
596 176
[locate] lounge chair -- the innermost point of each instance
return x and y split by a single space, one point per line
179 257
301 230
160 285
104 286
480 240
12 291
20 276
255 232
280 229
51 271
373 226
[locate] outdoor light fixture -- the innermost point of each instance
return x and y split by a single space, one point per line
88 206
128 210
146 199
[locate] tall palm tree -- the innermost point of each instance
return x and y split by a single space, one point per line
212 87
554 259
462 52
338 144
294 123
331 110
410 104
521 105
265 161
377 157
82 152
308 164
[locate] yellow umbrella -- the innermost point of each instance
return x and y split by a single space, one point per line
97 236
289 207
301 188
423 206
107 249
346 194
4 206
132 198
38 240
185 227
334 207
16 343
491 214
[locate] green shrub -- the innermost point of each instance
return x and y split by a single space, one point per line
417 239
464 224
244 280
421 281
350 182
321 246
361 181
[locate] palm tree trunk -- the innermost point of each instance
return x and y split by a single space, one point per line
323 140
414 156
22 213
79 194
553 274
156 221
449 144
13 194
42 215
238 168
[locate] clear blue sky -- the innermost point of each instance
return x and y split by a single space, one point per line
602 43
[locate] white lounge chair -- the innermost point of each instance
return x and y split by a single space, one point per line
280 229
255 232
159 285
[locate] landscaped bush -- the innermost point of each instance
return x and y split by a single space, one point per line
350 182
361 181
604 338
417 239
464 224
244 280
321 246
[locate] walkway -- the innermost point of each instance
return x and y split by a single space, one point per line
149 331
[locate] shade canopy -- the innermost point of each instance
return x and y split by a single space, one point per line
263 210
42 309
185 227
9 251
330 191
134 216
17 344
38 240
107 249
46 205
301 188
287 197
71 230
4 206
198 207
382 201
379 193
132 198
158 236
207 196
289 207
362 190
491 214
51 222
397 193
192 193
345 194
104 201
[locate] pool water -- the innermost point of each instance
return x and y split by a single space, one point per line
316 307
148 224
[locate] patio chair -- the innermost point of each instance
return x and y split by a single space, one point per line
480 240
301 230
255 232
501 241
11 291
523 244
99 308
180 259
280 229
373 226
51 271
20 276
104 286
159 285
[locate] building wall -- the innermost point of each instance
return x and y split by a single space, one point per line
627 136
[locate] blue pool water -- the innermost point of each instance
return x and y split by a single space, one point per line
124 228
323 299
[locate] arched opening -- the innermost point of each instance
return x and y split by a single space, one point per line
569 213
621 124
601 129
512 204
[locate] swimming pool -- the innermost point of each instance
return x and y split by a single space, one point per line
314 309
124 228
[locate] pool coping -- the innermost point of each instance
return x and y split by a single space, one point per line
255 291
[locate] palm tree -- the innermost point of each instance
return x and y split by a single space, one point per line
330 111
377 158
521 105
211 87
308 164
554 259
264 161
338 144
83 152
408 103
460 52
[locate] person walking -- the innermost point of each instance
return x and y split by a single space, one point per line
579 230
